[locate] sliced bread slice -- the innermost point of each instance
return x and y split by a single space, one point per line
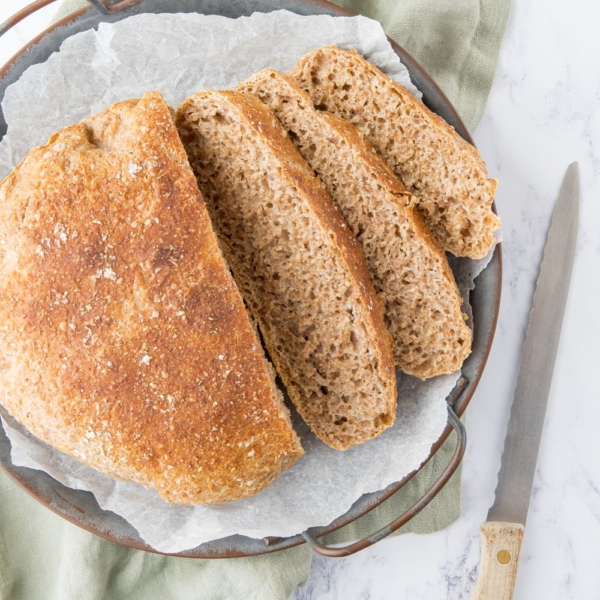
446 174
409 270
299 268
124 341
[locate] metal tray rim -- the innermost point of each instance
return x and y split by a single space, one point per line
75 505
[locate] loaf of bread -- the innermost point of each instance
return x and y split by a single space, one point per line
298 267
124 341
409 270
444 172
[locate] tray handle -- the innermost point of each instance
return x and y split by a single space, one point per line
102 5
114 7
338 552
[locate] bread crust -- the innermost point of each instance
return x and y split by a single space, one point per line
295 169
124 341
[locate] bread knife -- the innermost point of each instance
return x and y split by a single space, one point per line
502 533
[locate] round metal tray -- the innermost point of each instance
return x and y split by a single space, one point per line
81 507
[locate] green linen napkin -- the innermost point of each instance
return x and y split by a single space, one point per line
457 41
44 557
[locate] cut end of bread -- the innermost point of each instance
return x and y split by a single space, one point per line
299 269
445 173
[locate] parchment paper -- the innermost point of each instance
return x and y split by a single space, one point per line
179 55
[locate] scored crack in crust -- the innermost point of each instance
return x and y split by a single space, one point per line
409 270
444 172
300 270
124 341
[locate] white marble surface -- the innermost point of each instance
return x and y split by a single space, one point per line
543 113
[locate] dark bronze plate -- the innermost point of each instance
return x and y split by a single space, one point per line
80 507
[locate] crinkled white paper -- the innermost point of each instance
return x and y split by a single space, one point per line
175 54
179 55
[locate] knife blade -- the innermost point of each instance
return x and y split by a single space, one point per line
502 533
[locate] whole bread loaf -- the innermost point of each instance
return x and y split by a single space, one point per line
444 172
124 341
409 270
298 267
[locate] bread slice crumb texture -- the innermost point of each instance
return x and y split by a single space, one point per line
124 341
409 271
298 267
443 171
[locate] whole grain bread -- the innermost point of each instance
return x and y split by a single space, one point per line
444 172
124 341
298 267
409 270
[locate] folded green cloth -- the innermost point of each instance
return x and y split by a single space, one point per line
457 41
43 557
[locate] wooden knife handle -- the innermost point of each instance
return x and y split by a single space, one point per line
500 550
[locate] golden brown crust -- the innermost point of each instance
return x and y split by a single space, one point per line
295 169
123 339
